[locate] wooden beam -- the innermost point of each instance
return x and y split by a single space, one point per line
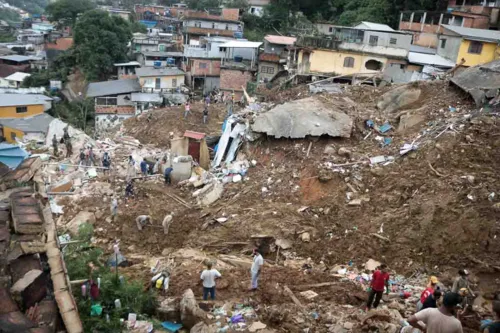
292 296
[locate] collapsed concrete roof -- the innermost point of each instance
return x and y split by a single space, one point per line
480 81
300 118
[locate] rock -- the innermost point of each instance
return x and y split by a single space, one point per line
99 214
305 237
344 152
391 328
169 310
285 244
470 179
355 202
469 138
497 206
399 97
80 218
309 294
325 176
109 219
371 265
478 95
257 325
377 171
203 328
191 314
329 150
337 329
348 325
491 93
409 121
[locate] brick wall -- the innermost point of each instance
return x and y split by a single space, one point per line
231 14
212 67
233 79
126 109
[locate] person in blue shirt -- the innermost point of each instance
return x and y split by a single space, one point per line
144 167
168 171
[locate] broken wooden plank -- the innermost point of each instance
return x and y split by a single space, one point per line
316 285
292 296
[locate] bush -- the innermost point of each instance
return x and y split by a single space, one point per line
80 257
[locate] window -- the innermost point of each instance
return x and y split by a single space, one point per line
106 101
330 29
227 26
203 65
161 47
158 83
174 83
252 10
349 62
148 82
443 43
475 47
21 109
213 25
267 70
373 40
13 136
393 41
197 24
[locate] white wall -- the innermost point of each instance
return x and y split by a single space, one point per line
211 25
106 122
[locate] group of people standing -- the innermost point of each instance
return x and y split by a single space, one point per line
66 140
207 101
437 311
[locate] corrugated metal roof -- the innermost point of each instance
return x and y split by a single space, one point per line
429 59
241 44
116 87
280 40
144 97
194 135
422 49
17 76
163 71
19 99
475 34
162 54
130 63
18 58
373 26
35 124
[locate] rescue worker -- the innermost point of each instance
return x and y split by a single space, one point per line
55 146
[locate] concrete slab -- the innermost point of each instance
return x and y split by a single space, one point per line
22 265
301 118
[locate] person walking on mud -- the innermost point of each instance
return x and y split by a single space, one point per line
187 109
380 280
205 114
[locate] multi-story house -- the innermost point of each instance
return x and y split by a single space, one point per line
426 26
202 63
467 46
275 57
226 24
256 7
350 51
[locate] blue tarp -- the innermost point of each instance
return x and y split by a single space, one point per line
171 327
12 155
149 24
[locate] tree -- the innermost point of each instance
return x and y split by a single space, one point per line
138 27
100 40
203 4
240 4
66 11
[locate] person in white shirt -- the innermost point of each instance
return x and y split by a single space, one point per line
258 261
440 320
208 277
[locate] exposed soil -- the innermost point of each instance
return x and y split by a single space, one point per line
432 209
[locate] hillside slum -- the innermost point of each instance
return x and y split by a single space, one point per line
328 180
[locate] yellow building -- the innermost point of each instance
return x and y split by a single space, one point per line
469 47
10 134
21 106
351 51
164 79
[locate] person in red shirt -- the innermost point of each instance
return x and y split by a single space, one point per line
380 280
431 287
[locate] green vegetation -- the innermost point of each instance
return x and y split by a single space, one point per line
283 15
66 11
100 41
31 6
9 15
80 114
86 262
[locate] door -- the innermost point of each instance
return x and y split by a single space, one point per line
194 150
158 83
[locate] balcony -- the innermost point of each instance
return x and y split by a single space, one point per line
207 31
195 51
318 42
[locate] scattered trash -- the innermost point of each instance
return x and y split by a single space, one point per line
452 109
309 294
385 128
491 197
171 327
407 148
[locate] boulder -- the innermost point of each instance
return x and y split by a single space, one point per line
344 152
80 218
191 314
398 98
371 264
203 328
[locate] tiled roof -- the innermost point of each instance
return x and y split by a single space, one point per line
280 40
269 57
